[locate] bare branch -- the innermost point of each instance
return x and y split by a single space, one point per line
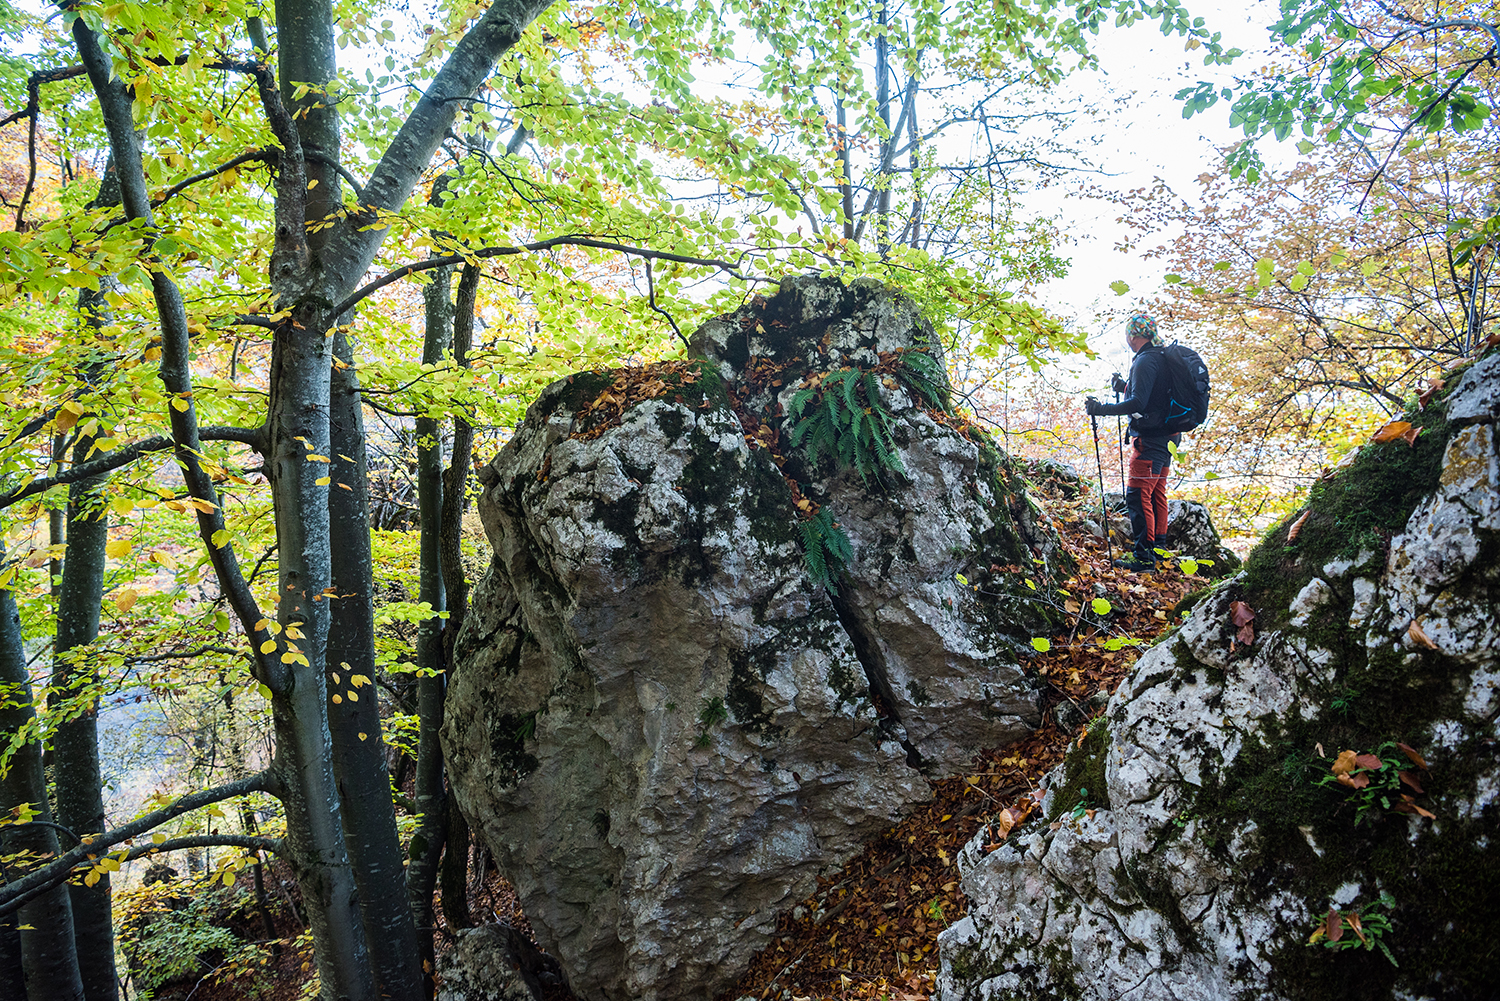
528 248
18 891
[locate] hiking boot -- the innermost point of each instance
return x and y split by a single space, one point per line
1136 566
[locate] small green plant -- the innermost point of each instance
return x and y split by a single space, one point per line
826 551
1343 702
1363 928
1082 807
711 715
1376 780
841 415
935 909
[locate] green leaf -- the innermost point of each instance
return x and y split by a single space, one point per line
1189 566
1101 606
1040 644
1119 287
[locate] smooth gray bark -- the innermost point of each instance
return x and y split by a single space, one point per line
75 742
45 959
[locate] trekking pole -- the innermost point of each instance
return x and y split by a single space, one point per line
1103 511
1120 446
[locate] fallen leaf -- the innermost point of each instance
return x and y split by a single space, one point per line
1344 763
1319 747
1434 386
1419 636
1296 529
1410 437
1334 925
1354 925
1392 431
1409 780
1005 823
1243 616
1370 762
1412 755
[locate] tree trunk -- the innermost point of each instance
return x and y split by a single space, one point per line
44 961
359 751
882 178
430 797
75 743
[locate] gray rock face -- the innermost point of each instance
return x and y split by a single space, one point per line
662 728
1213 851
494 963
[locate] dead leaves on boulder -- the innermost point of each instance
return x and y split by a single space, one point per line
1396 431
1243 617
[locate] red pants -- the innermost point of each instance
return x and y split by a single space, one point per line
1146 501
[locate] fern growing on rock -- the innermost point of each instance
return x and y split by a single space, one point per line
842 415
826 551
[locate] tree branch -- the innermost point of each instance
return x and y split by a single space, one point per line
247 841
357 237
254 437
17 892
528 248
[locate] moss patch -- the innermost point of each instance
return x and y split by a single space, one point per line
1083 773
1359 508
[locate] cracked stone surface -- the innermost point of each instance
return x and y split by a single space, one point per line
1137 900
660 726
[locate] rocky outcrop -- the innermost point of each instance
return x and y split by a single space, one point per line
496 963
662 722
1202 844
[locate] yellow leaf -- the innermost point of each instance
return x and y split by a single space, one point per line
337 700
353 696
158 838
164 558
268 646
288 657
312 184
117 549
358 680
364 736
126 599
323 481
260 625
180 405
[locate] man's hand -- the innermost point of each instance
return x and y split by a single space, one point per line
1118 384
1092 406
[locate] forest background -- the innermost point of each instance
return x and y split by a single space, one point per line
266 304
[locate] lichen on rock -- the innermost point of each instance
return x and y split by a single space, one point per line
1225 839
662 726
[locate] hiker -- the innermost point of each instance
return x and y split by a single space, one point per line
1145 401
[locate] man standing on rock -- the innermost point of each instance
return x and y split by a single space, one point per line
1145 401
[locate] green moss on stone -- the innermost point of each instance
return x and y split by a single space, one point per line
1083 773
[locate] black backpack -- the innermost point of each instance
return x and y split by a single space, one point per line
1184 405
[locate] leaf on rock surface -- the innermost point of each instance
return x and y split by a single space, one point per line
1434 386
1243 616
1412 755
1343 769
1419 636
1394 430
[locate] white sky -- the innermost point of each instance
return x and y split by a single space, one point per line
1146 139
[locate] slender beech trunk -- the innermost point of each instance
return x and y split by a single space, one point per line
846 176
310 275
359 751
430 796
45 963
455 866
883 105
75 743
916 162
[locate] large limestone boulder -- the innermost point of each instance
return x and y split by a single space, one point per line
1201 844
661 725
